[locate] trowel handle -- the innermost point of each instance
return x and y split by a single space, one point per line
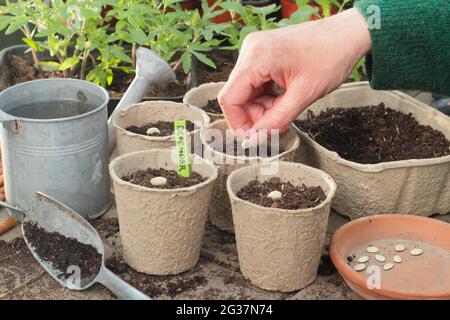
123 290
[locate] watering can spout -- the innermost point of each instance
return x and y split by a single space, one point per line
151 70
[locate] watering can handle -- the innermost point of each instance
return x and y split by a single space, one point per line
120 288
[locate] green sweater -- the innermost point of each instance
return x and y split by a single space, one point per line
411 47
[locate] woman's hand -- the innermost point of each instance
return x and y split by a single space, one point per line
307 60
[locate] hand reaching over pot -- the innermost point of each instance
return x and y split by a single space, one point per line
307 60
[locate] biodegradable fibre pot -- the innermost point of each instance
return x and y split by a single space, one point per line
152 111
199 97
417 186
220 209
161 229
280 249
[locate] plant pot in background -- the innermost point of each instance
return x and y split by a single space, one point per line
220 209
416 186
161 229
280 249
199 97
152 111
288 7
221 18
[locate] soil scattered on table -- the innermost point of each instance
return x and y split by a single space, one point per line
213 107
374 134
166 128
174 181
224 61
292 198
62 252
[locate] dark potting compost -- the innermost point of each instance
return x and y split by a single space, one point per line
374 134
165 128
174 181
51 109
224 61
213 107
63 252
292 197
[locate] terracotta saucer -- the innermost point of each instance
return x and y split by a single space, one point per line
426 276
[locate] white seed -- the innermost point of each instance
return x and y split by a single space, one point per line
275 195
399 247
397 259
153 131
245 143
359 267
158 181
372 249
388 266
416 252
363 259
380 258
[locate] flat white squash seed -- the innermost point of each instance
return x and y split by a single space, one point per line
372 249
380 258
397 259
363 259
416 252
274 195
399 247
388 266
359 267
153 131
158 181
245 144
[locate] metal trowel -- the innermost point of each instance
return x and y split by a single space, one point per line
53 216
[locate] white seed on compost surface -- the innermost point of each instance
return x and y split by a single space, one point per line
274 195
363 259
372 249
388 266
245 144
359 267
380 258
158 181
397 259
153 131
399 247
416 252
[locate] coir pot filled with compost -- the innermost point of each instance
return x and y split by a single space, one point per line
55 140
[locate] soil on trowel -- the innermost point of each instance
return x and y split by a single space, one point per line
165 128
174 181
224 61
62 252
292 197
213 107
374 134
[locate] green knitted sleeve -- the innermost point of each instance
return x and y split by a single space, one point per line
410 44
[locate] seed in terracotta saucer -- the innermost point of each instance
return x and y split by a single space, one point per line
359 267
399 247
274 195
372 249
380 258
416 252
388 266
363 259
153 131
245 144
397 259
158 181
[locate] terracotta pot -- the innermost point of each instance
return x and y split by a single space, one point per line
221 18
288 7
220 209
280 249
199 97
419 187
161 229
152 111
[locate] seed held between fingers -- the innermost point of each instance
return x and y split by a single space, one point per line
388 266
399 247
397 259
416 252
158 181
372 249
363 259
359 267
245 143
380 258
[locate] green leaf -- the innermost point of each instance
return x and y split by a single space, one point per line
53 45
33 45
186 61
203 58
16 24
139 36
69 63
49 66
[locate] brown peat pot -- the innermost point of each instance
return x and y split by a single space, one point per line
199 97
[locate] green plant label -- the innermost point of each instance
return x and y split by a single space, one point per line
181 143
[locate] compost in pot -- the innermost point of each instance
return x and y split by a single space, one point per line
63 252
374 134
224 61
164 128
274 193
213 107
163 179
